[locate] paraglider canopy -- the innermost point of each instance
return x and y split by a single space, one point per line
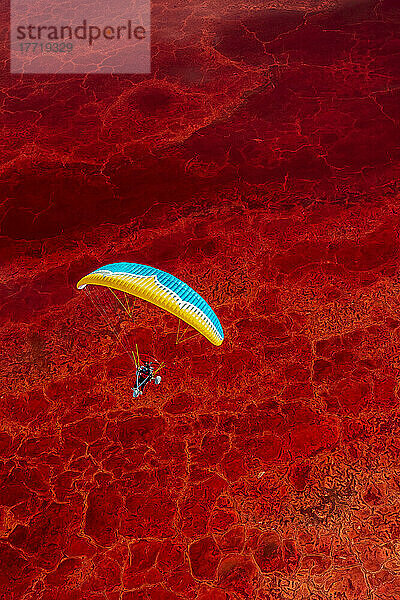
163 290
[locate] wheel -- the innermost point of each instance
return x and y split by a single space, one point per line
157 380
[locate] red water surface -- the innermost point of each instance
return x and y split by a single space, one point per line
258 162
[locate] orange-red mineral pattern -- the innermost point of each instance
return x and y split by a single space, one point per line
257 163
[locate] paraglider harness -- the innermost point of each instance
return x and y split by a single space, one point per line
144 374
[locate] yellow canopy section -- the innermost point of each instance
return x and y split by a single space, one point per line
163 290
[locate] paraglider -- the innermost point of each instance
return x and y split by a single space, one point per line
144 375
165 291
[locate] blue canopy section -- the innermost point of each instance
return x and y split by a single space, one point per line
175 285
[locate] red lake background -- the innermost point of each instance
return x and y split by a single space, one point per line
258 163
